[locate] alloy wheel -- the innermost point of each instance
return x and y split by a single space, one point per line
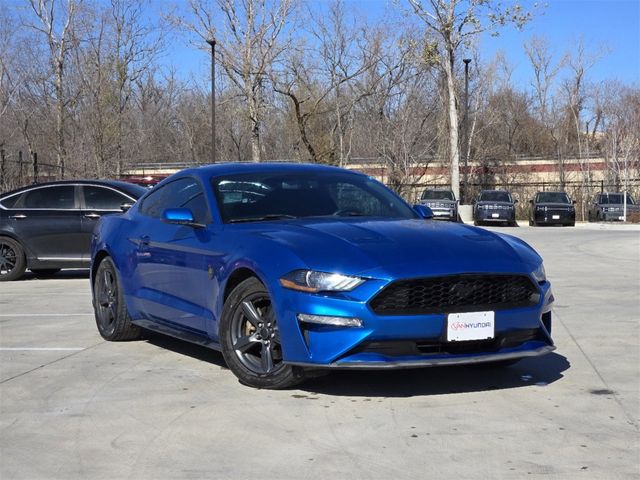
107 300
255 336
8 258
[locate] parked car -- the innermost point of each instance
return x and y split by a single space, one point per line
609 207
442 203
48 226
292 268
552 208
494 206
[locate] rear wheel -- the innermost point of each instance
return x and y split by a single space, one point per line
112 318
250 339
12 260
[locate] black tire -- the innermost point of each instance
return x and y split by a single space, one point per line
112 318
44 272
250 339
12 260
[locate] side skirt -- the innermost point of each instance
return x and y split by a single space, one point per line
180 334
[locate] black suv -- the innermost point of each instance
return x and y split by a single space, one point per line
49 226
609 207
552 208
494 206
442 203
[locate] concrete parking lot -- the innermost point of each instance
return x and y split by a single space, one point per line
75 406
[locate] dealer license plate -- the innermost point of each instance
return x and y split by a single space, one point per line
470 326
440 214
495 215
555 217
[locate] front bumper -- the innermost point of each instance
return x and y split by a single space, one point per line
444 214
551 217
384 341
497 216
616 216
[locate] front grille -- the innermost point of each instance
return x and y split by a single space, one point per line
456 293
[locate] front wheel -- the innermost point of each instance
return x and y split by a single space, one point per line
250 339
112 317
12 260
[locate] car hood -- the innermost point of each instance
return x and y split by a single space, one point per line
494 203
554 205
400 248
620 205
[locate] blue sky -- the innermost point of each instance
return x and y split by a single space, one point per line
610 24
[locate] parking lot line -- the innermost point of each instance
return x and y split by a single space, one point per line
41 349
45 314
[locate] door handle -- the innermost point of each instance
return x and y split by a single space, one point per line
144 241
92 216
18 216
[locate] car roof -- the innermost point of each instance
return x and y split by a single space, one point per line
219 169
134 190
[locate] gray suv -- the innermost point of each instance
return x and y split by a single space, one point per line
442 203
609 207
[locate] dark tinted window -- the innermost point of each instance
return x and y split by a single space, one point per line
61 197
495 196
614 199
10 201
181 193
264 196
437 195
102 198
552 197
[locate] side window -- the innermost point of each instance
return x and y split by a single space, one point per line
10 201
181 193
102 198
59 198
152 205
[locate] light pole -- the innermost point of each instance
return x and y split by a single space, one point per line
466 61
212 42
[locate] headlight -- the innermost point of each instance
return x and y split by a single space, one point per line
311 281
539 274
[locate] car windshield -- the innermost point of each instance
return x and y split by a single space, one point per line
275 195
437 195
495 196
552 197
615 199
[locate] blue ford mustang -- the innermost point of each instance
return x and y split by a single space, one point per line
289 268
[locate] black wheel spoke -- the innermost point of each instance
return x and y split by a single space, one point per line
243 344
251 314
266 357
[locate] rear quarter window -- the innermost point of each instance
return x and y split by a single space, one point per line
10 202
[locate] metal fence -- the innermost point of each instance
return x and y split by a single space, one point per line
581 192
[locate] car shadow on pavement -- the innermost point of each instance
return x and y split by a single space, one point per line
63 274
192 350
540 371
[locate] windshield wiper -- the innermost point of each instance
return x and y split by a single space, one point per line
271 216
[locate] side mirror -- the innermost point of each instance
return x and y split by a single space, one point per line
531 202
515 201
424 211
180 216
473 202
126 206
573 201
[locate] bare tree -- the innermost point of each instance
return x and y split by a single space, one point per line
250 40
55 21
452 25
